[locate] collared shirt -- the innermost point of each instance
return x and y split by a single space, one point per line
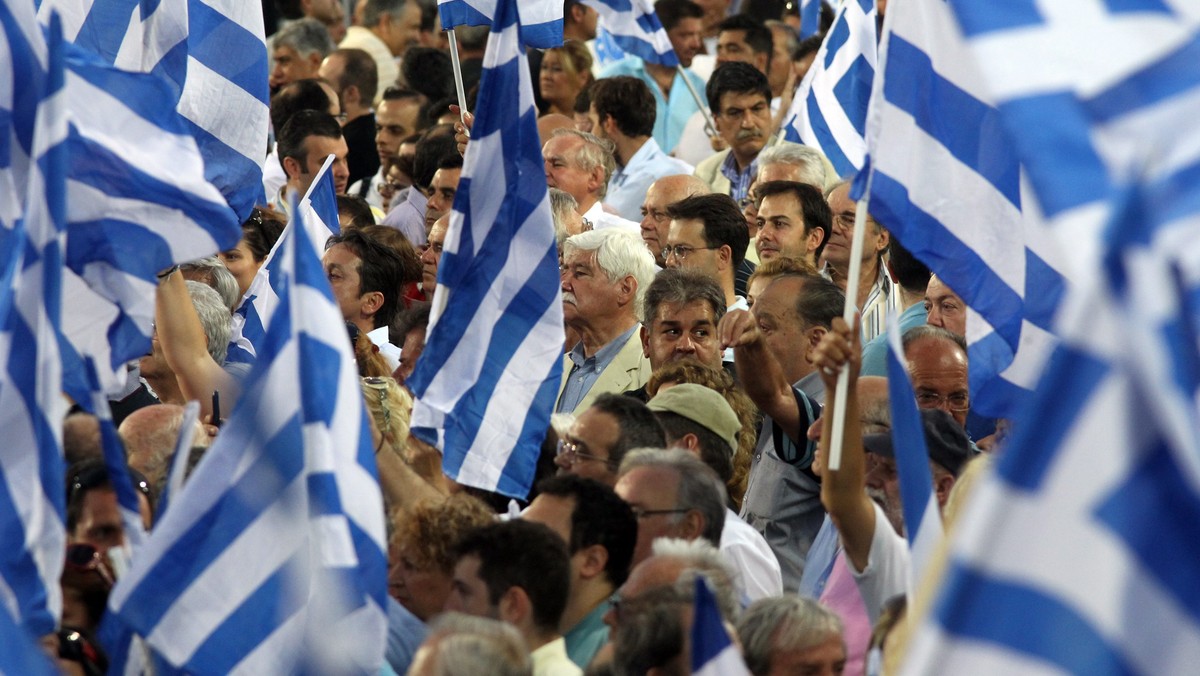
391 353
587 370
601 219
274 177
409 216
551 660
588 636
882 299
745 549
628 185
673 111
739 304
739 181
405 632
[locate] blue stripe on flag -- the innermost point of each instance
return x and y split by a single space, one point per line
227 48
226 169
836 39
255 619
853 92
318 403
987 18
908 442
105 26
826 142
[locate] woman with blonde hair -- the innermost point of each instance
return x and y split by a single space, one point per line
566 71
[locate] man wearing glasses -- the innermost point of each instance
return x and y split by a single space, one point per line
708 234
655 221
600 437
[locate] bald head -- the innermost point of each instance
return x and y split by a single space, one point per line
663 193
547 124
81 437
149 434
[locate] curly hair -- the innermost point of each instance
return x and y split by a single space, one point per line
432 531
719 380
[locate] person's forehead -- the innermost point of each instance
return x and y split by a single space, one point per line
733 35
580 257
552 511
395 109
782 204
697 311
643 485
342 256
284 50
839 198
686 230
446 177
689 24
742 99
594 425
562 147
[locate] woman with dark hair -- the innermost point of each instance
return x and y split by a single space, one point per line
259 234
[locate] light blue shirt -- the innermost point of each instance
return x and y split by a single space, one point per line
628 185
405 632
874 354
586 639
409 217
671 113
587 370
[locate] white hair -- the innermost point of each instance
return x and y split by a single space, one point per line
215 318
810 162
700 557
619 253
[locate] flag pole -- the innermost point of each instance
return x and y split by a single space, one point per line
709 127
458 81
838 414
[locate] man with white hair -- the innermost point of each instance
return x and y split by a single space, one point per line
791 635
582 165
604 275
297 51
791 162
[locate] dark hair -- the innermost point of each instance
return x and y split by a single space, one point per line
428 70
809 45
261 231
671 12
600 517
583 100
639 427
911 274
415 317
813 207
714 451
523 554
410 268
357 209
735 77
628 101
434 145
92 474
724 224
379 269
291 141
395 93
358 70
680 286
758 36
435 109
295 97
450 161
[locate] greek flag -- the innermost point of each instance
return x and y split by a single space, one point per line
19 653
32 510
713 653
541 21
1079 554
271 558
486 382
945 181
319 206
212 54
922 518
810 18
632 27
829 111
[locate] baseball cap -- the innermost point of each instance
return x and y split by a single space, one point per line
947 442
703 406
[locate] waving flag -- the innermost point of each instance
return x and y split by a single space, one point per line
829 111
946 182
713 653
213 56
486 382
271 558
922 518
541 21
632 27
810 18
32 509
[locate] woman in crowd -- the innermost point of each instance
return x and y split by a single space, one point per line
566 71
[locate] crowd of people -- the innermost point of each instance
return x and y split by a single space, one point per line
704 267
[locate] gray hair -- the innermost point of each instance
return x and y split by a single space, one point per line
699 486
700 557
595 152
305 36
215 318
810 162
216 275
680 286
619 253
784 623
374 9
463 645
931 332
561 206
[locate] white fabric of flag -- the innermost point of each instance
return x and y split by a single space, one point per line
945 180
271 558
541 21
32 503
486 382
829 111
213 55
633 28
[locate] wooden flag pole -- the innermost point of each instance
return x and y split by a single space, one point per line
458 80
838 415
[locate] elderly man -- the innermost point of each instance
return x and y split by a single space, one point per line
622 111
674 104
604 275
792 162
945 308
937 365
877 293
708 234
598 440
305 141
791 635
774 350
582 164
432 255
655 222
297 50
388 28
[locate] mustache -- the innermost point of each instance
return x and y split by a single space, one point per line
568 297
747 134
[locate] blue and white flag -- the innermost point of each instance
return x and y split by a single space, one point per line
1079 554
271 558
829 111
19 651
212 54
713 653
250 319
32 501
634 28
810 18
486 381
945 181
541 21
922 518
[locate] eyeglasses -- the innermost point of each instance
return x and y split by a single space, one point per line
569 452
389 187
682 251
95 475
958 401
341 118
639 513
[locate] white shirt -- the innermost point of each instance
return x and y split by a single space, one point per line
888 563
372 196
745 549
601 219
391 353
274 177
386 67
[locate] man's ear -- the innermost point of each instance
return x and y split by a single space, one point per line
514 606
593 559
645 333
691 526
725 254
351 95
292 167
371 302
597 179
627 289
813 337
